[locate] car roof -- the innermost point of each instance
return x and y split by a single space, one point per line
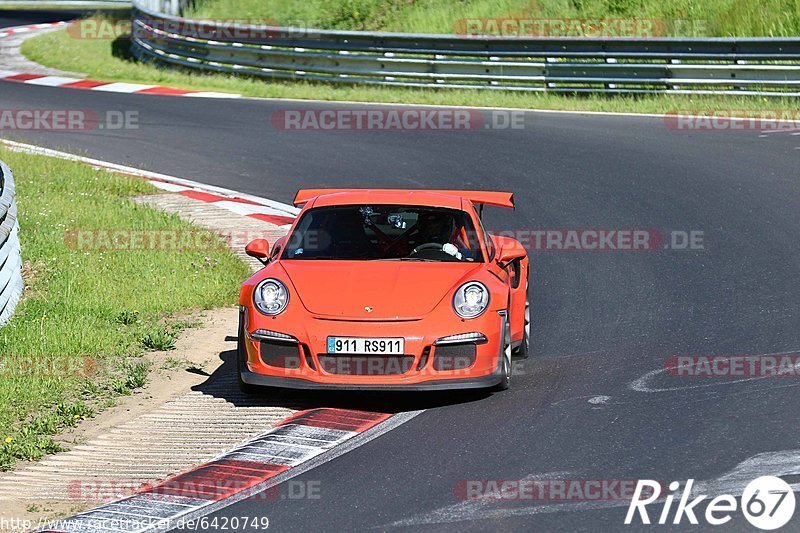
386 197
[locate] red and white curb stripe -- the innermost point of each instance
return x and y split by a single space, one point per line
5 32
299 443
93 85
107 86
246 205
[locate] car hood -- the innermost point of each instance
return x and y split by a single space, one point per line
391 289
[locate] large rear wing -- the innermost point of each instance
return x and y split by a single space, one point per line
481 198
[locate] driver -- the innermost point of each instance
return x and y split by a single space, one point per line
437 229
434 227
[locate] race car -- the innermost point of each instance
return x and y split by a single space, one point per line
385 289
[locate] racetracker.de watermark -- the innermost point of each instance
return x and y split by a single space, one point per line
42 119
166 240
521 27
12 524
225 29
693 120
365 365
734 366
604 240
396 119
134 522
545 489
105 490
569 240
20 366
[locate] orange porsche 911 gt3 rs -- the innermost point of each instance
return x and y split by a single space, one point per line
385 289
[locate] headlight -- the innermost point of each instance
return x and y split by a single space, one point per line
471 299
271 296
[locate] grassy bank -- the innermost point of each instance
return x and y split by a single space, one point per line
107 60
702 17
88 315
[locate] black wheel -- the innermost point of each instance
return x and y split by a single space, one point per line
241 355
523 351
506 366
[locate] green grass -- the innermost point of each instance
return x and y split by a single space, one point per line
87 316
106 60
713 17
159 338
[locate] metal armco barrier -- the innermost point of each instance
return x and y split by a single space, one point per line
10 258
755 66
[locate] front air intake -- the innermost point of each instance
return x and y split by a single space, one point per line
279 353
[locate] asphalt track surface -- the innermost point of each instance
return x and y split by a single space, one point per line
22 17
601 320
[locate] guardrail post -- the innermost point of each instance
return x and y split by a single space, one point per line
10 256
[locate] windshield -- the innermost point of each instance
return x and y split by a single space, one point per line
384 232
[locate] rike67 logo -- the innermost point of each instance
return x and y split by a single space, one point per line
767 503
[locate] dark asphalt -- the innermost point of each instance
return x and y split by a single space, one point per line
601 320
21 17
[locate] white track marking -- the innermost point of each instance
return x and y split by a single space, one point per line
641 384
171 187
210 94
489 108
52 81
120 87
472 507
782 463
599 400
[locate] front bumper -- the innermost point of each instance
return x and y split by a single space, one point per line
303 362
299 383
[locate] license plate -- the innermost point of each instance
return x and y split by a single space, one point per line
366 345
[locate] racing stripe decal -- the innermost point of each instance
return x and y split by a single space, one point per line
242 472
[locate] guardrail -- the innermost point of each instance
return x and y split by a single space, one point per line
10 258
754 66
